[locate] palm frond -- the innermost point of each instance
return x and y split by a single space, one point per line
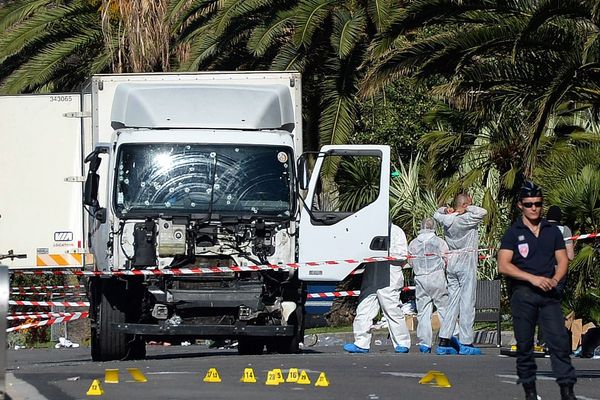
309 16
348 29
265 35
380 12
40 68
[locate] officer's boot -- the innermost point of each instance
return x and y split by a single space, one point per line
530 390
566 392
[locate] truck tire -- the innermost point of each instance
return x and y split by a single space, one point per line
291 344
250 345
110 304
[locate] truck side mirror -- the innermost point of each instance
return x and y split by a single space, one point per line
302 169
90 194
92 182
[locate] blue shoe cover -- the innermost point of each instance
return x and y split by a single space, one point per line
469 351
456 344
442 351
401 349
424 349
352 348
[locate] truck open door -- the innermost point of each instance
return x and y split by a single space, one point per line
345 214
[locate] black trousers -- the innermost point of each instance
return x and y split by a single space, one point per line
529 306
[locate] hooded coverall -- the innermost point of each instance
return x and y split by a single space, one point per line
463 241
430 280
382 282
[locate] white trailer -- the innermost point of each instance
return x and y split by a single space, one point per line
40 197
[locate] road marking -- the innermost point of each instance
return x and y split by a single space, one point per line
539 377
169 373
405 374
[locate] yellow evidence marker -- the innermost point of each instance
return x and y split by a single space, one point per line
440 379
279 375
303 379
248 376
212 376
271 379
322 380
137 375
292 375
95 388
111 376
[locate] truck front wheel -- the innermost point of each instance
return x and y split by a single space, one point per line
110 304
250 345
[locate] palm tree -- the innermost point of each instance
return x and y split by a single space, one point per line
324 39
492 57
50 46
571 178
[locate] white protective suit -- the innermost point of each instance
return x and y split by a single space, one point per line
428 265
463 241
387 297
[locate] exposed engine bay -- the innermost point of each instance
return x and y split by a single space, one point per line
236 296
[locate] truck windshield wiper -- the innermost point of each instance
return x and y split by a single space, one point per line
212 188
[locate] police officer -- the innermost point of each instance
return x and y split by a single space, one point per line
532 255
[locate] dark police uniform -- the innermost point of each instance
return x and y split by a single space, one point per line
529 304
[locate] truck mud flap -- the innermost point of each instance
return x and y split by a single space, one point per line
205 330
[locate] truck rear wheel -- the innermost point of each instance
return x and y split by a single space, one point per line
291 344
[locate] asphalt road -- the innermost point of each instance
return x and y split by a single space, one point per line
177 373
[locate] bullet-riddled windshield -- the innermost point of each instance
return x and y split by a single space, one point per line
194 178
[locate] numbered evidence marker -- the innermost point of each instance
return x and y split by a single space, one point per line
303 379
292 375
212 376
248 376
322 380
95 388
271 379
279 375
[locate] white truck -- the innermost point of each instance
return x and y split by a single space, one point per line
184 170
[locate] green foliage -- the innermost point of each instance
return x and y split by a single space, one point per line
47 46
396 117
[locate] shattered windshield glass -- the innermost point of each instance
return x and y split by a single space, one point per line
198 178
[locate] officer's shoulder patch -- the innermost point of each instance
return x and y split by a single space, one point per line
521 237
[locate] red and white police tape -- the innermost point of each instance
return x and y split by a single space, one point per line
46 287
50 321
46 294
250 268
345 293
48 303
24 317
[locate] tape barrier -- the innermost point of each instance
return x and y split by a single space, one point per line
46 294
202 270
249 268
583 236
346 293
48 303
46 287
50 321
24 317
